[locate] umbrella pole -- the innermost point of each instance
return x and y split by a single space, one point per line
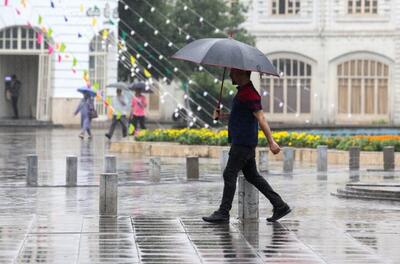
220 93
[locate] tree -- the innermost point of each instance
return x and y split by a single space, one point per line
196 19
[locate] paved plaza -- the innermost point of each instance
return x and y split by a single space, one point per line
159 219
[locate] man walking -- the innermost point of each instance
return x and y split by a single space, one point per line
245 117
13 90
121 108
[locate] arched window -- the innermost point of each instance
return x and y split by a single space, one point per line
21 38
363 87
289 94
98 56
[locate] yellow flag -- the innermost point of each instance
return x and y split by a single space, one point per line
81 8
147 74
119 115
133 60
94 21
105 34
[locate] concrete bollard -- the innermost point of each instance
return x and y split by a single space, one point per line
192 167
32 170
322 158
108 200
72 171
354 158
247 200
388 158
155 167
288 159
263 160
223 159
110 164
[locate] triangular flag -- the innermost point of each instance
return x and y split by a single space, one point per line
94 21
133 60
23 3
147 74
96 86
51 49
79 35
81 8
105 34
6 2
59 58
62 47
52 4
74 62
40 20
73 70
39 37
123 35
18 12
49 32
86 75
65 18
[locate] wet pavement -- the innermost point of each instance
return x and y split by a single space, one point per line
159 218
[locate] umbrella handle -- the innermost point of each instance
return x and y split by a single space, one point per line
220 94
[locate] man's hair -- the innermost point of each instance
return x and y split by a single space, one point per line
14 77
248 73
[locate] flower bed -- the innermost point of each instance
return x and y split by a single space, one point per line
284 138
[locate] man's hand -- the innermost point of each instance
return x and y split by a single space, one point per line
274 147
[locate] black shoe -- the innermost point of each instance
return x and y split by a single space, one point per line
217 217
279 213
108 136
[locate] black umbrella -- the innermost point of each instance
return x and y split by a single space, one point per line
143 87
227 53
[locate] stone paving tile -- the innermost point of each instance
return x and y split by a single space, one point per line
107 224
50 248
108 248
331 243
156 225
57 224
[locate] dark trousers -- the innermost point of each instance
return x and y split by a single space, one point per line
242 158
138 120
124 124
14 102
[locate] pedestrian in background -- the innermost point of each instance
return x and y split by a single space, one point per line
12 92
138 108
121 110
87 111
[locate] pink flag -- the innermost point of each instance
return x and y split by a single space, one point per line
6 2
39 37
59 58
51 49
18 12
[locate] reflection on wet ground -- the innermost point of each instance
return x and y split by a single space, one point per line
159 219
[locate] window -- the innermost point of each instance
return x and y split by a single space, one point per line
289 94
22 38
362 87
285 7
362 7
98 54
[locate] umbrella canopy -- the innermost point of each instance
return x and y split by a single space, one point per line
228 53
143 87
86 90
118 85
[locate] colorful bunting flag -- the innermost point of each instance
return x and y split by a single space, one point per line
105 34
52 4
81 8
40 20
86 75
18 12
49 32
50 49
147 74
133 60
6 2
39 37
23 3
94 21
79 35
65 18
96 86
74 62
59 58
62 47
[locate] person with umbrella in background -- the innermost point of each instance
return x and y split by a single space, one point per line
138 106
121 108
87 110
244 120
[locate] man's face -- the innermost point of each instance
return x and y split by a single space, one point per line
233 74
119 92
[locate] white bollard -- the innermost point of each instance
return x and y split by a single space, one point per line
263 160
288 159
223 159
72 171
110 164
247 200
192 167
322 158
32 170
108 200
